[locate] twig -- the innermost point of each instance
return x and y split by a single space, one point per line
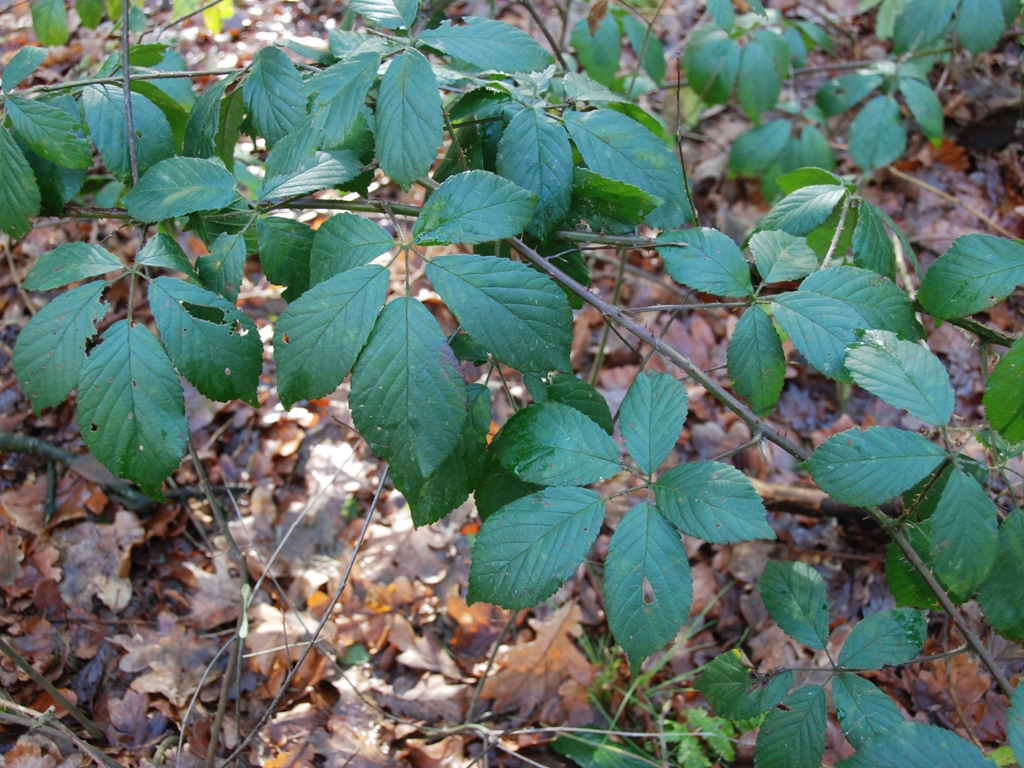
555 47
323 622
49 687
44 721
14 443
471 710
218 512
136 76
838 233
222 702
595 368
29 306
951 199
129 115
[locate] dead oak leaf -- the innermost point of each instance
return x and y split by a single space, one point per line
95 560
217 595
536 672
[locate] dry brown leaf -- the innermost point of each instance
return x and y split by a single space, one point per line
421 651
217 595
535 673
129 718
36 751
446 753
276 642
95 560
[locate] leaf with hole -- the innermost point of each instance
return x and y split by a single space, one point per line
794 594
474 207
514 312
221 271
131 407
50 350
884 638
713 502
647 583
525 550
872 467
651 418
407 397
553 444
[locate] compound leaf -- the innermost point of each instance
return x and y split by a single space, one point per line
179 186
647 583
964 534
977 272
863 711
407 397
488 44
707 260
794 594
131 407
1004 395
525 550
780 256
553 444
756 360
713 502
884 638
514 312
319 336
343 242
474 207
903 374
793 735
871 467
409 119
915 745
651 418
50 351
734 693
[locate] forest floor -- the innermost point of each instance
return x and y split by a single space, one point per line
128 612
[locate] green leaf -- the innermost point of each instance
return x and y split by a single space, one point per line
863 711
707 260
597 750
877 136
598 53
285 246
913 745
872 248
343 242
793 735
803 210
780 256
274 95
534 152
1015 723
19 192
903 374
794 594
756 360
790 182
904 582
50 21
409 118
474 207
964 534
204 121
179 186
162 251
646 45
651 418
49 131
90 12
823 316
1004 395
979 24
221 271
647 583
497 487
758 83
722 13
614 145
924 105
70 262
390 14
407 397
526 550
566 389
322 170
320 334
22 64
553 444
1000 594
977 272
712 60
433 497
339 94
488 44
871 467
920 22
598 197
212 343
756 149
884 638
50 351
105 114
517 314
841 93
734 693
713 502
131 407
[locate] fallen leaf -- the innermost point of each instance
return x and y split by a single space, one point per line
95 560
217 596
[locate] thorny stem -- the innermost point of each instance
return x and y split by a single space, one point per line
770 433
47 723
126 84
838 233
595 369
135 76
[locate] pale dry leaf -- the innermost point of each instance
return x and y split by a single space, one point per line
446 753
217 596
95 560
421 651
534 673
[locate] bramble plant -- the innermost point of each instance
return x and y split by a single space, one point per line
540 158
